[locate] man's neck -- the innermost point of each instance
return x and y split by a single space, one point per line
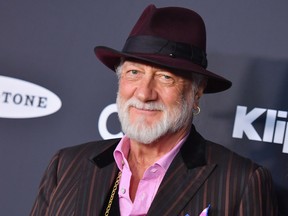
142 156
148 154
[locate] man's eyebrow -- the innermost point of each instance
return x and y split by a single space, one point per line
132 64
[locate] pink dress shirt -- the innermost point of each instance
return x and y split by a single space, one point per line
148 185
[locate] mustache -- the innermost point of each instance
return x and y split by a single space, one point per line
153 106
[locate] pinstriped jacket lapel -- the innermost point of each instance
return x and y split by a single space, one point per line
92 194
179 188
96 181
184 177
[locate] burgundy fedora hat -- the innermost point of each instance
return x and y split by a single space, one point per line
171 37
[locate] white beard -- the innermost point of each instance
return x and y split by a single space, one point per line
172 120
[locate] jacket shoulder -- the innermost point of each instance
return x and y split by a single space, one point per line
84 152
87 150
217 151
230 161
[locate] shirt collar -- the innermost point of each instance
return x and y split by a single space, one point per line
123 148
121 152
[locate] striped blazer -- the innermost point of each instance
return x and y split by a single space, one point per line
79 179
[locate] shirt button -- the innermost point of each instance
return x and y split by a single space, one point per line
143 196
123 190
154 170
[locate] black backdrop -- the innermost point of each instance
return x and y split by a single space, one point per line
50 44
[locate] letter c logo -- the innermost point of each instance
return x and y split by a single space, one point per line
102 122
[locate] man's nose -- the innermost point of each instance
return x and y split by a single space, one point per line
146 90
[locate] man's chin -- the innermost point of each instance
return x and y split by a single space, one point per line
143 141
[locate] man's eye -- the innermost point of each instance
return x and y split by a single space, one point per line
132 74
166 79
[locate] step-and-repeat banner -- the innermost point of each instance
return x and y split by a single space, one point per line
54 93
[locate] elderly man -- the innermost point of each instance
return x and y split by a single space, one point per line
162 166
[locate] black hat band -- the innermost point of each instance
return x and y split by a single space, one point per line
147 44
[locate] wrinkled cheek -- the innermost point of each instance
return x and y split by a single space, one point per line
126 90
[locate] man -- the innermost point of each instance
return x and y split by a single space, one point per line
162 166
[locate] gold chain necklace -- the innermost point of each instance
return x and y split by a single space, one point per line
113 193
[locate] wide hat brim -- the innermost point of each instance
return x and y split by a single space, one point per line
111 58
